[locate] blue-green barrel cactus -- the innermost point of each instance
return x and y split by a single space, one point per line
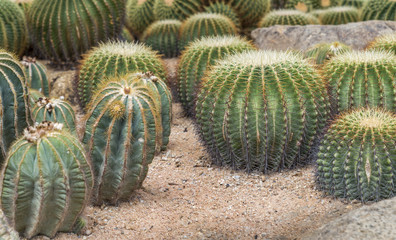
36 75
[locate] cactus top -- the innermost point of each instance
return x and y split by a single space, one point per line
167 22
341 9
49 104
377 119
122 48
40 130
218 41
206 15
364 57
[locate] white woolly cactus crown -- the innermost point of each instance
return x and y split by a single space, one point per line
40 130
370 56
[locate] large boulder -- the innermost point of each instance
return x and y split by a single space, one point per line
357 35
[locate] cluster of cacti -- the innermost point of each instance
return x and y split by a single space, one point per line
123 132
36 75
176 9
163 36
379 10
198 57
261 110
322 52
386 42
115 58
6 231
287 17
205 24
63 30
357 156
339 15
360 79
226 10
139 15
46 181
13 31
14 109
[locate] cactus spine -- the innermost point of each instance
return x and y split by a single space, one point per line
385 42
226 10
340 15
139 15
197 58
359 79
322 52
37 75
287 17
163 36
46 181
261 110
357 156
379 10
176 9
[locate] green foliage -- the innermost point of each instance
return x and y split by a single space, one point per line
226 10
205 24
287 17
379 10
360 79
339 15
139 15
322 52
36 75
115 58
62 30
386 42
46 181
176 9
197 58
6 231
13 31
162 36
357 156
14 108
261 110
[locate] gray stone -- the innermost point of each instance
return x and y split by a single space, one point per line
357 35
376 221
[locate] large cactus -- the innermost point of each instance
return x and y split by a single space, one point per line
339 15
357 156
37 75
46 181
163 36
197 58
13 31
14 108
115 58
322 52
287 17
123 131
176 9
63 30
139 15
379 10
358 79
226 10
261 110
385 42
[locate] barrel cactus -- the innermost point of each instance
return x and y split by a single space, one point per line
197 58
176 9
6 231
14 108
13 31
139 15
359 79
340 15
46 181
386 42
63 30
205 24
250 11
163 36
34 96
123 131
36 75
261 110
226 10
287 17
379 10
322 52
303 5
357 156
115 58
353 3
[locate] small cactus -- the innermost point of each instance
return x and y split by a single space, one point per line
163 36
226 10
339 15
379 10
46 181
357 156
6 231
386 42
287 17
176 9
36 75
139 15
322 52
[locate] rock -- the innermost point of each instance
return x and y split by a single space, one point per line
357 35
376 221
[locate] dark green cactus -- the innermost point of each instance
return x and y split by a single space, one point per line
63 30
115 58
322 52
250 11
205 24
176 9
359 79
386 42
287 17
36 75
163 36
197 58
357 156
226 10
261 110
13 31
46 181
123 132
339 15
139 15
14 108
6 231
379 10
54 110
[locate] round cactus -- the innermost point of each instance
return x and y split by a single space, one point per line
357 156
261 110
163 36
386 42
6 231
250 11
176 9
46 181
340 15
287 17
322 52
123 132
205 24
126 35
198 57
359 79
63 30
379 10
36 75
14 108
226 10
13 31
139 15
115 58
